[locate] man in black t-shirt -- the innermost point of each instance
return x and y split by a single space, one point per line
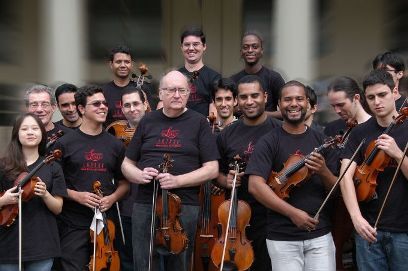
64 95
295 239
346 99
225 100
89 154
202 78
186 136
121 64
272 81
378 246
240 139
40 101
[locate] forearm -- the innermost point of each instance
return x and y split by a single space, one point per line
131 172
53 203
208 171
328 178
348 190
121 190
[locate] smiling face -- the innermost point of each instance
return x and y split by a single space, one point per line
251 100
29 134
96 108
121 65
293 104
174 92
251 49
133 108
224 102
193 49
40 105
67 107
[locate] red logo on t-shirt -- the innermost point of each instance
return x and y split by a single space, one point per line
169 139
93 156
93 161
250 149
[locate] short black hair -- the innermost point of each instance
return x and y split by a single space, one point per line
253 33
227 84
290 84
378 77
192 31
119 49
389 58
132 89
65 88
311 94
84 92
251 78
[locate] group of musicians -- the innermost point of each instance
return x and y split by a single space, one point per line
153 170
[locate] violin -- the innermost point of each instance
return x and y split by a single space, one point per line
25 181
105 257
51 140
233 251
121 130
294 171
375 161
170 236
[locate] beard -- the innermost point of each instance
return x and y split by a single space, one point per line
301 119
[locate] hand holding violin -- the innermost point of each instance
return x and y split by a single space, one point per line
9 197
88 199
302 220
230 178
107 202
316 163
168 181
148 174
389 146
40 188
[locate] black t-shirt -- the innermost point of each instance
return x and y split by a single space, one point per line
61 123
113 95
187 139
39 227
201 88
400 102
335 127
53 132
241 139
272 83
271 152
85 159
395 214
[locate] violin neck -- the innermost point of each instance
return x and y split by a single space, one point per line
302 162
28 177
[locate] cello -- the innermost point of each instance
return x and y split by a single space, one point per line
375 161
294 171
26 182
121 130
104 257
233 251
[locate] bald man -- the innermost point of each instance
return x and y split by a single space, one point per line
186 136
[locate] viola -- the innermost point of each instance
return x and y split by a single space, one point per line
121 130
169 236
26 182
233 251
105 256
295 171
375 161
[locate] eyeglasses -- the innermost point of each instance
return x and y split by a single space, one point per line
390 70
129 105
35 105
194 44
172 91
98 103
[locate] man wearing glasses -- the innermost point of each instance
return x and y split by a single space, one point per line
201 77
40 101
394 65
186 136
89 154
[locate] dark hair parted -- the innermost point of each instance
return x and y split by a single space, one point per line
65 88
389 58
119 49
345 84
192 31
132 89
291 84
81 96
224 83
251 78
13 163
378 77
